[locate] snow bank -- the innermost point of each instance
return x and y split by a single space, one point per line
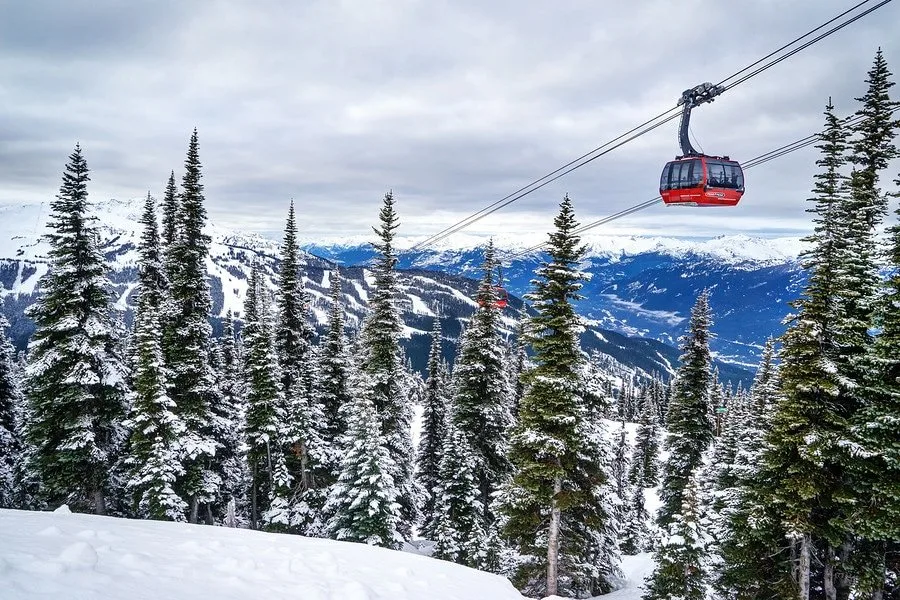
64 555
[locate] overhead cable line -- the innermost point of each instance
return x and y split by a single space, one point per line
650 124
749 164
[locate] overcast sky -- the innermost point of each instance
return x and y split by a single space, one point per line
452 104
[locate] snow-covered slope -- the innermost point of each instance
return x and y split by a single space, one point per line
63 555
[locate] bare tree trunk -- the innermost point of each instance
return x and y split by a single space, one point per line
843 583
195 509
828 574
553 540
99 502
803 573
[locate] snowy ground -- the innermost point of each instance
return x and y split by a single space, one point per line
64 555
61 555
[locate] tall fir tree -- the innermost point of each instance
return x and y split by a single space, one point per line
265 419
229 418
335 366
153 460
680 572
802 481
76 374
481 391
644 470
187 336
363 503
10 436
875 426
169 233
690 431
556 512
635 530
457 519
382 361
434 431
303 440
750 537
620 464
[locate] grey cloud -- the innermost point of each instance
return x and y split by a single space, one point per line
451 104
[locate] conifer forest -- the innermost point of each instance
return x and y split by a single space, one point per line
521 455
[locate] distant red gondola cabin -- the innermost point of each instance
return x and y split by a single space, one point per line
501 298
701 180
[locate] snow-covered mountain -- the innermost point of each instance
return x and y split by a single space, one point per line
431 284
643 286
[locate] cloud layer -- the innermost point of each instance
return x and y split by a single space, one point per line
451 104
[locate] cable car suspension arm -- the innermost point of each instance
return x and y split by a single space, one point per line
697 95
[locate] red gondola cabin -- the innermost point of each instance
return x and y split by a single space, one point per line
501 298
701 180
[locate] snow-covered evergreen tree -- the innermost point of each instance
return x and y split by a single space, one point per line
481 391
303 441
557 506
875 427
363 503
457 520
635 529
170 214
432 438
680 572
10 436
153 459
382 360
265 419
644 469
228 427
689 428
333 387
187 336
75 376
620 463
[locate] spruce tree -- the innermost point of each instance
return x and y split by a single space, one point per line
335 367
363 503
187 336
750 536
644 471
635 532
620 463
875 427
228 425
264 405
153 459
802 480
75 379
680 572
689 428
170 214
457 520
481 391
382 361
10 436
556 511
432 438
303 441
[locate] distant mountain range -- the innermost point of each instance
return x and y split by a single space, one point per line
645 286
636 302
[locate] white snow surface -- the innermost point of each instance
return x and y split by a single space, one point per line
66 555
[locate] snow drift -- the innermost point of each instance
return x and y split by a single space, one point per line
65 555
